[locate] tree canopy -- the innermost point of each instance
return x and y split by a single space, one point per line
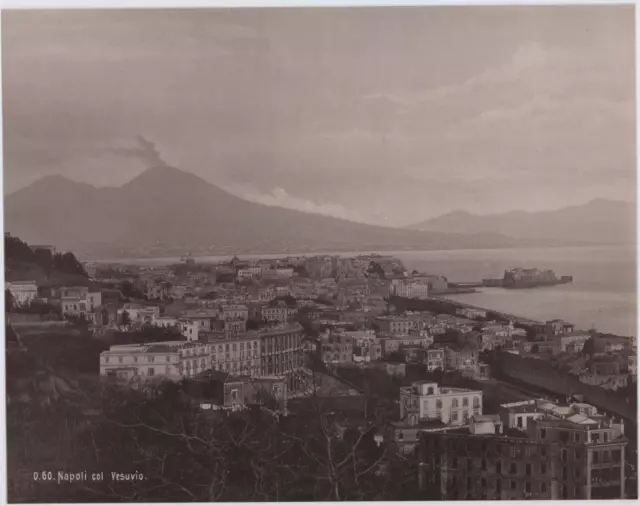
19 251
180 453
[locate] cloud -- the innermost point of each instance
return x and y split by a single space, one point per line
533 71
536 102
145 151
279 197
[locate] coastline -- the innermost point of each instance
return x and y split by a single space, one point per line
224 256
506 316
423 305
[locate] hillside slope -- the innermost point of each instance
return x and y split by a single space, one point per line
599 221
165 211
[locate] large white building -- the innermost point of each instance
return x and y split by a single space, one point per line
23 292
80 302
428 401
237 355
249 273
410 288
173 360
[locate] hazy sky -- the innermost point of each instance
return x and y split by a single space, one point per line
384 115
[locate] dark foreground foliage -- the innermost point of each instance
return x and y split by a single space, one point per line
185 454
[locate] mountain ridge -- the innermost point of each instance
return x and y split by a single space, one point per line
165 211
599 220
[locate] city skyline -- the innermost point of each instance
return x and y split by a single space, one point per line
542 98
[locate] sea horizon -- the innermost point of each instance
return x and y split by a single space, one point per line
206 259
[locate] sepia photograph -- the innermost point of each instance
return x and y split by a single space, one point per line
320 254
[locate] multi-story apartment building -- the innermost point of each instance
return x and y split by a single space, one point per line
284 272
232 327
369 351
237 391
238 354
172 360
395 324
589 462
278 311
336 348
157 290
572 342
435 359
453 322
80 302
71 292
425 400
320 266
366 346
631 360
23 292
481 462
267 294
281 352
411 288
204 319
461 357
557 327
234 312
249 273
190 329
396 343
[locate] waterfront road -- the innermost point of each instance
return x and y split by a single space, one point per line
514 318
